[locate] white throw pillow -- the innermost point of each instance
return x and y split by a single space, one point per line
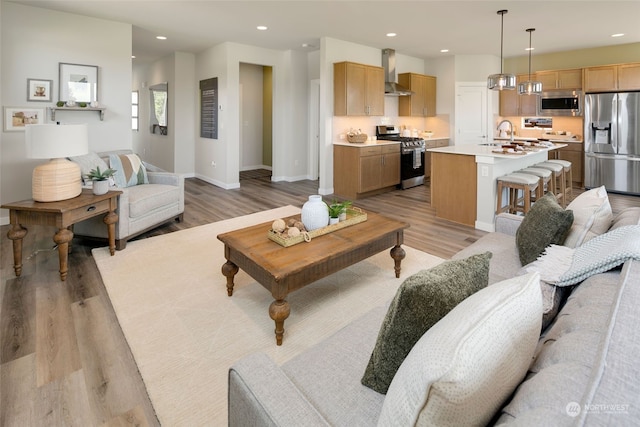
592 216
87 162
466 366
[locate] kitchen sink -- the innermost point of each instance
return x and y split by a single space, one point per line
493 144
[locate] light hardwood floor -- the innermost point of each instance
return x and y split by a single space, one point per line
63 357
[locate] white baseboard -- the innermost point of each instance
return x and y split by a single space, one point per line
218 183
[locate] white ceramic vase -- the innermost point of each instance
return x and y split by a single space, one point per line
100 187
315 213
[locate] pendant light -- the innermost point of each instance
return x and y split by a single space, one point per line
530 87
501 81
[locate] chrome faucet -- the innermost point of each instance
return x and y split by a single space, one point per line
510 124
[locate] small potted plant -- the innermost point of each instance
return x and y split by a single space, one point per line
100 179
338 211
334 212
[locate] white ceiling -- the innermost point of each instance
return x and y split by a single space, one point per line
422 27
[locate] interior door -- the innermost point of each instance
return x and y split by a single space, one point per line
471 114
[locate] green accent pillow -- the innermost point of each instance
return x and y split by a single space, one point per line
420 302
545 224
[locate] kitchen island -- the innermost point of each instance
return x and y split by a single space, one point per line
463 180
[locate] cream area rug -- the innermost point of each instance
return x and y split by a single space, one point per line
171 300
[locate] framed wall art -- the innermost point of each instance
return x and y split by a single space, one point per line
39 90
78 83
16 118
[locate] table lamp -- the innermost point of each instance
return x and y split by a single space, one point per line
60 178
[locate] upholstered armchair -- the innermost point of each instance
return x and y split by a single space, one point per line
150 199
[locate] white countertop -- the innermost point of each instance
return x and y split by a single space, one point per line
384 142
487 150
552 138
365 144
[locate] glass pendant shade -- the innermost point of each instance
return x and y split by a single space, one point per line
530 87
501 81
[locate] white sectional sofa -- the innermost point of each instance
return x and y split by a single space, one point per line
584 370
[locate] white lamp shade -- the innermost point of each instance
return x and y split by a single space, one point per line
56 141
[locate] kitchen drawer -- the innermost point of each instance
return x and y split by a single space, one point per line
390 149
573 146
374 150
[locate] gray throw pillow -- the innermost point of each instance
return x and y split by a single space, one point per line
420 302
545 224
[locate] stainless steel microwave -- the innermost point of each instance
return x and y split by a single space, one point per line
560 103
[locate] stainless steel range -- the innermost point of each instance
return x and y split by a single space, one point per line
412 151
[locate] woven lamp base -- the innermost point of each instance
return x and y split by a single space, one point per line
59 179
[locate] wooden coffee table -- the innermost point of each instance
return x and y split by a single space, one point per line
283 270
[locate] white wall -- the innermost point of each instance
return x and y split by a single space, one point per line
175 151
34 41
289 112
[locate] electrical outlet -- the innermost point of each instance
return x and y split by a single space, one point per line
484 170
213 163
296 162
341 136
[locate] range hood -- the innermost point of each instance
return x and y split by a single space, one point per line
391 88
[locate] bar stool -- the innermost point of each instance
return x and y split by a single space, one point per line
545 177
568 175
513 183
559 181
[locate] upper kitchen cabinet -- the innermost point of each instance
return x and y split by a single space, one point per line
560 79
612 78
358 89
422 103
512 104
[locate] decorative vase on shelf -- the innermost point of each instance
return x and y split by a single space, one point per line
315 213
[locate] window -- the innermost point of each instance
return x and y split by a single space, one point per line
134 110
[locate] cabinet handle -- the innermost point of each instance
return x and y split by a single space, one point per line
91 208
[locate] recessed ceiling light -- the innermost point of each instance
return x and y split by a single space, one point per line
161 37
444 50
307 45
391 34
133 57
261 27
529 48
617 35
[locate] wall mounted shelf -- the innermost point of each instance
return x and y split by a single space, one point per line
101 110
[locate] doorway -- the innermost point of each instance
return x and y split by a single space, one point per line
256 119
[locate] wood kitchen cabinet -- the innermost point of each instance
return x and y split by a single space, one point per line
431 143
612 78
422 103
362 170
560 79
512 104
574 153
358 89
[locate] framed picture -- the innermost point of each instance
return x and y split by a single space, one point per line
39 90
78 83
16 118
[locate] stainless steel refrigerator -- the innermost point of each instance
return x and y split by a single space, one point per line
612 141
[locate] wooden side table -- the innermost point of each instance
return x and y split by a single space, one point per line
63 215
